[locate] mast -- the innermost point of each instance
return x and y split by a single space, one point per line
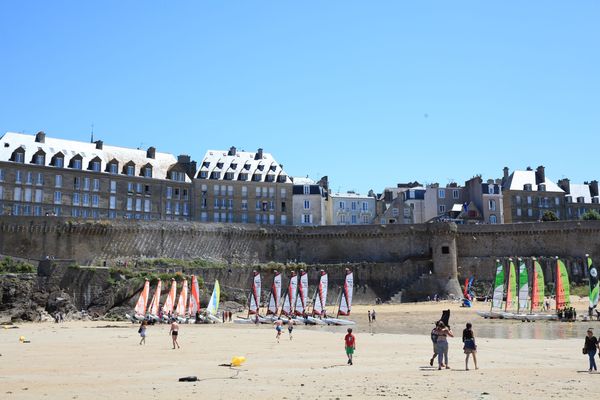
593 278
346 298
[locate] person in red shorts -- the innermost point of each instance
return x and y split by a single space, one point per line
350 345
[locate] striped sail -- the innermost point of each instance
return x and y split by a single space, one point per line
511 288
194 304
183 298
321 295
290 296
563 289
346 299
538 287
170 301
140 306
593 277
523 285
213 303
302 298
275 295
255 294
154 304
498 295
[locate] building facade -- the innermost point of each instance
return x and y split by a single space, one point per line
579 198
242 187
441 202
42 176
486 198
350 209
309 202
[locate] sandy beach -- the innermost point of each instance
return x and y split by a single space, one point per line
88 360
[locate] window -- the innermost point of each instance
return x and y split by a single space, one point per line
257 218
186 196
169 192
19 157
342 219
177 209
284 220
518 212
441 193
1 175
176 193
76 163
529 212
130 170
518 199
76 183
258 205
354 219
138 204
230 205
492 205
96 166
492 219
395 212
129 206
17 194
365 219
445 250
455 193
442 208
112 203
130 186
38 195
528 199
168 207
244 191
138 188
96 185
148 172
28 195
257 192
74 212
59 162
186 211
29 178
244 204
353 206
95 200
271 205
244 218
264 192
203 202
204 216
216 217
18 176
113 186
271 192
85 200
75 199
216 203
557 201
113 168
40 159
283 192
307 218
230 190
306 189
37 211
58 181
490 189
341 205
271 219
283 206
57 198
365 206
86 183
39 179
306 204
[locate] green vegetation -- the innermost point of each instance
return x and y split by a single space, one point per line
8 265
591 215
580 290
549 216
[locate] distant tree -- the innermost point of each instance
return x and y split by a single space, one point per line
549 216
591 215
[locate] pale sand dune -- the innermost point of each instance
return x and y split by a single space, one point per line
79 360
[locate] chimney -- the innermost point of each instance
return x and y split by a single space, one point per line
565 185
99 144
594 188
188 164
232 151
259 154
505 173
540 175
40 137
151 152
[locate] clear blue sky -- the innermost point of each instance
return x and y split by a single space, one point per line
368 93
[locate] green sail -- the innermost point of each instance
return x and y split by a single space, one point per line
498 286
511 292
593 277
523 285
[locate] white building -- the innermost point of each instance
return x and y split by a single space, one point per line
350 209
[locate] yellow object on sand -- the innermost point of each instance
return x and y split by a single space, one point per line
237 361
22 339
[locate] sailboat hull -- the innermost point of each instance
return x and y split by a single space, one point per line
338 321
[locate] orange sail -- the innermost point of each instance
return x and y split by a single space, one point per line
170 302
194 304
154 304
140 307
183 297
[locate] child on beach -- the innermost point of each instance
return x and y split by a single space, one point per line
290 327
469 347
350 342
442 344
142 332
278 327
174 332
591 344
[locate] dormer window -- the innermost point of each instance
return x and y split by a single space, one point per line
58 160
247 167
220 165
242 177
18 155
203 174
113 168
261 167
282 179
270 178
147 171
257 177
273 168
233 166
95 165
229 176
129 168
215 175
75 162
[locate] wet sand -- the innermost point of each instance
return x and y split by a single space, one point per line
85 360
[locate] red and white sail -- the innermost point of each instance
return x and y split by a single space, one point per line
154 304
290 296
194 304
275 296
183 298
321 295
255 291
170 301
346 300
302 298
140 306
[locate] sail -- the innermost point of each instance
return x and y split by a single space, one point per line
563 289
194 304
154 304
321 297
593 277
140 306
346 299
498 295
170 301
537 289
466 290
275 295
302 298
255 294
511 289
523 285
213 303
183 298
290 296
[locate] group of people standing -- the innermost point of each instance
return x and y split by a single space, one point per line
439 338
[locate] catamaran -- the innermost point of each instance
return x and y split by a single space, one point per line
498 296
319 301
194 300
563 291
155 303
140 306
287 308
345 302
593 278
253 303
169 302
180 310
274 297
212 308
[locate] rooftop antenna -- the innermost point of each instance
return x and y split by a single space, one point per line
92 137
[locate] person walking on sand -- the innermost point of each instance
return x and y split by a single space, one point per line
174 332
278 327
373 315
369 315
142 332
350 342
290 326
442 344
470 347
590 347
434 338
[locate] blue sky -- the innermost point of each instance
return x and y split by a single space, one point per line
368 93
